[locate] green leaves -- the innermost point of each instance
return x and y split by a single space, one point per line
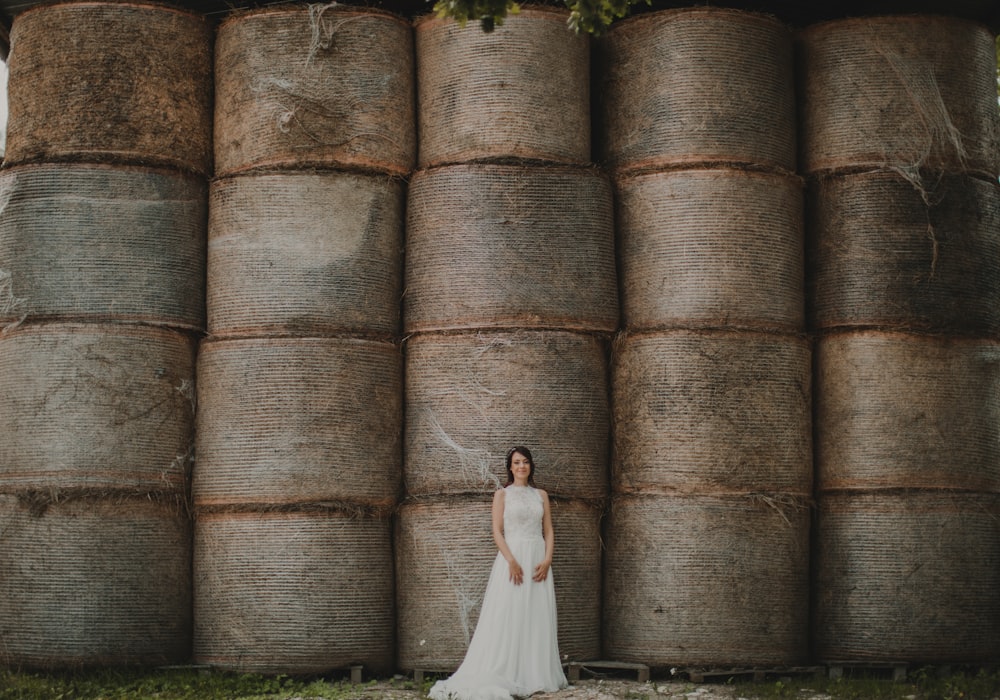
589 16
490 13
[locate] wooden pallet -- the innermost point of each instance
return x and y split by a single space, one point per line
573 669
754 673
896 668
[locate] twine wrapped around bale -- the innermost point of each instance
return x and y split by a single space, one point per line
318 85
305 254
295 420
899 92
885 253
896 410
711 248
707 412
121 82
707 580
520 91
466 399
907 576
510 246
96 406
293 592
696 85
103 243
94 581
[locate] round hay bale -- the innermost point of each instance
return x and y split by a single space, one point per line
305 254
510 246
711 248
520 91
120 82
444 552
471 397
94 582
293 592
907 576
92 406
696 85
318 85
707 580
709 412
902 92
102 243
296 420
883 252
907 411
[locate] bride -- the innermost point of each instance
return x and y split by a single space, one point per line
514 651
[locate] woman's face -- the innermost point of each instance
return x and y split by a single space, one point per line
520 467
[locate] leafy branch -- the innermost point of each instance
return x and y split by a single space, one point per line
590 16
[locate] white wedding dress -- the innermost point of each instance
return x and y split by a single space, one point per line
514 651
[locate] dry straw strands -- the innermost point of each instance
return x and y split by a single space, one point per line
98 242
898 410
319 85
707 580
711 248
883 253
908 576
296 420
122 82
900 92
521 91
696 85
287 592
510 246
96 406
89 582
305 254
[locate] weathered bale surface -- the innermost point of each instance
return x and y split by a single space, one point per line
708 412
471 397
96 406
94 582
305 254
318 85
907 576
122 82
711 248
907 411
888 252
707 580
444 552
696 85
520 91
102 243
510 246
899 92
293 592
296 420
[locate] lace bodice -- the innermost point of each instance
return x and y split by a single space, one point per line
522 512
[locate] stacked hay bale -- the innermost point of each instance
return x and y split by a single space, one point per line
707 560
300 378
102 229
900 142
510 299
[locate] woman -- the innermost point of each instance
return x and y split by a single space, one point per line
514 651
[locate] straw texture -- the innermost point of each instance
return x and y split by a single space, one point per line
287 592
520 91
319 85
295 420
103 243
707 580
900 92
908 576
470 397
305 254
710 412
510 246
122 82
696 85
711 248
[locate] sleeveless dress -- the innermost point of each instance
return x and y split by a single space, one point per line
514 650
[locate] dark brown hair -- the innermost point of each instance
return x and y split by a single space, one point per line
510 456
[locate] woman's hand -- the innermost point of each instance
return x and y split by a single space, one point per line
516 574
541 571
